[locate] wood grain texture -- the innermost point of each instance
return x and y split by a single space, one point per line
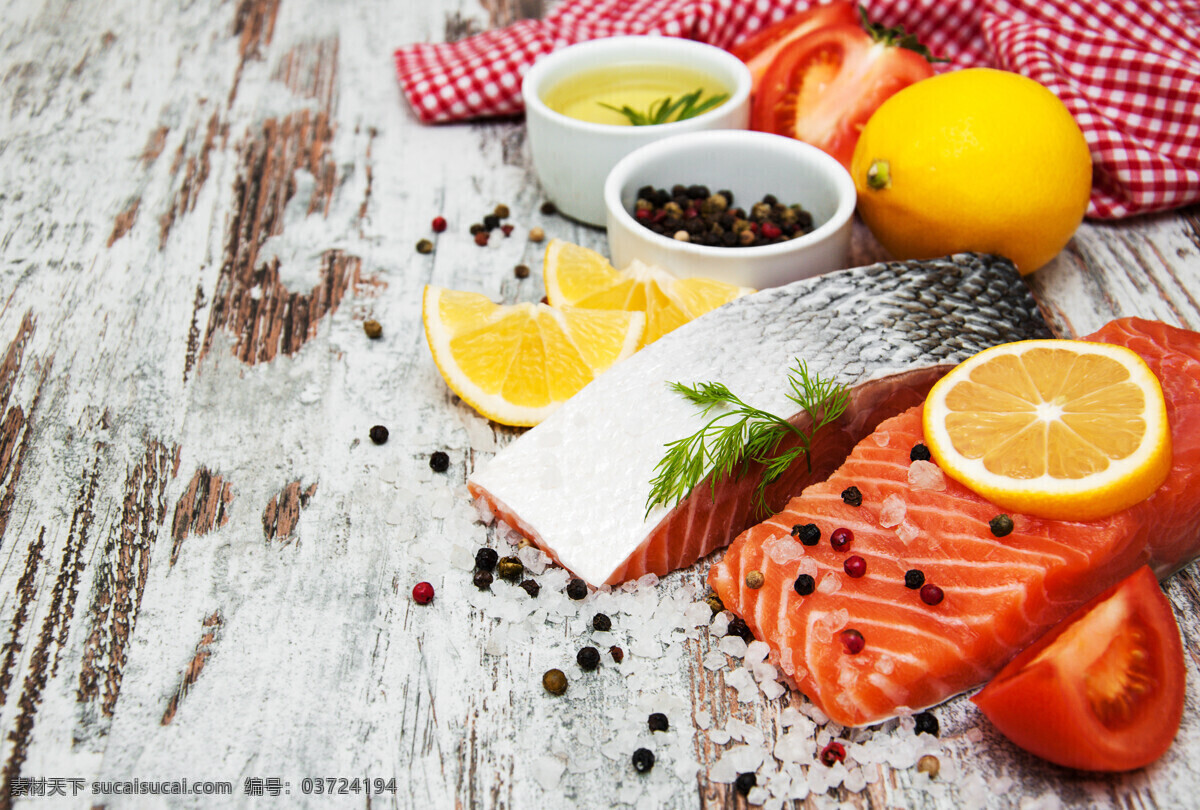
201 203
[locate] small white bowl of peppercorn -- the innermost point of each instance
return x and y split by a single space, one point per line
748 208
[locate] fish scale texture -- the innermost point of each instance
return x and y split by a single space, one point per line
1000 593
577 484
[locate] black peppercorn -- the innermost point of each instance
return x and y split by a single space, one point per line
601 622
744 782
914 578
491 222
851 496
424 246
658 722
919 453
531 587
926 724
738 627
588 658
577 588
1001 525
439 461
643 760
486 558
521 271
483 579
808 534
378 434
510 568
548 208
805 584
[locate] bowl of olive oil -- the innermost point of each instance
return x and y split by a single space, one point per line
589 105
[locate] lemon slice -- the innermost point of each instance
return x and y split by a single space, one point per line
517 363
1053 428
577 276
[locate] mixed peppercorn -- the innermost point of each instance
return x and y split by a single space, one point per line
694 214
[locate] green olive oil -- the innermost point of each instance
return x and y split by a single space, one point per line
637 85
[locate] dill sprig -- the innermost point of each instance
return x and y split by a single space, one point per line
742 434
660 111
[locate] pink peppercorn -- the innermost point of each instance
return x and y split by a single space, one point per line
770 230
833 752
508 229
481 238
855 566
841 539
422 593
852 641
931 594
439 224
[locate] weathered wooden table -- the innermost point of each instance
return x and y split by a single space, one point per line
206 563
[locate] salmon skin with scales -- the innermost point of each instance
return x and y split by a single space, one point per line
577 484
1001 593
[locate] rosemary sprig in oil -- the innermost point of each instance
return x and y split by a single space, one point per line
662 110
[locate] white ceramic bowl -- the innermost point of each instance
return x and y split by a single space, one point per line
572 157
751 165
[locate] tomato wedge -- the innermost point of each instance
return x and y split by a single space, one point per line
822 87
1102 691
760 49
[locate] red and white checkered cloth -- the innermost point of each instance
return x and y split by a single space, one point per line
1128 71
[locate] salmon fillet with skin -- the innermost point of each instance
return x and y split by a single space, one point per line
1000 593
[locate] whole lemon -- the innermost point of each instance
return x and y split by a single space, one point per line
973 160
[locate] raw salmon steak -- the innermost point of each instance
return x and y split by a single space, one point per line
577 484
1000 593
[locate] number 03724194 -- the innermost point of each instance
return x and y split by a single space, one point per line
337 785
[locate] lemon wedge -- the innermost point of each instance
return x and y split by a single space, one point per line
1053 428
516 363
579 277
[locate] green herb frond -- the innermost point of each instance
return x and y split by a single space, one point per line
668 109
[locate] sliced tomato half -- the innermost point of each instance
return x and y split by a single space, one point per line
760 49
822 88
1102 691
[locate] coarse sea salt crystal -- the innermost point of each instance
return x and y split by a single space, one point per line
461 558
907 532
882 438
830 583
772 689
696 614
782 550
720 624
733 645
703 719
719 736
757 795
714 660
764 671
892 511
756 651
926 475
533 559
789 717
483 512
808 566
855 780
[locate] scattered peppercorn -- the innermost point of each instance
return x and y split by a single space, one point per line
643 760
509 568
601 622
577 588
914 578
521 271
841 539
855 566
919 453
378 434
439 224
555 681
536 234
439 461
930 765
658 722
833 752
373 329
422 593
852 641
738 627
424 246
475 228
1001 525
931 594
501 211
486 558
744 782
491 222
549 209
714 602
617 653
694 214
851 496
481 238
531 587
808 534
482 579
506 230
805 584
755 580
926 724
588 658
